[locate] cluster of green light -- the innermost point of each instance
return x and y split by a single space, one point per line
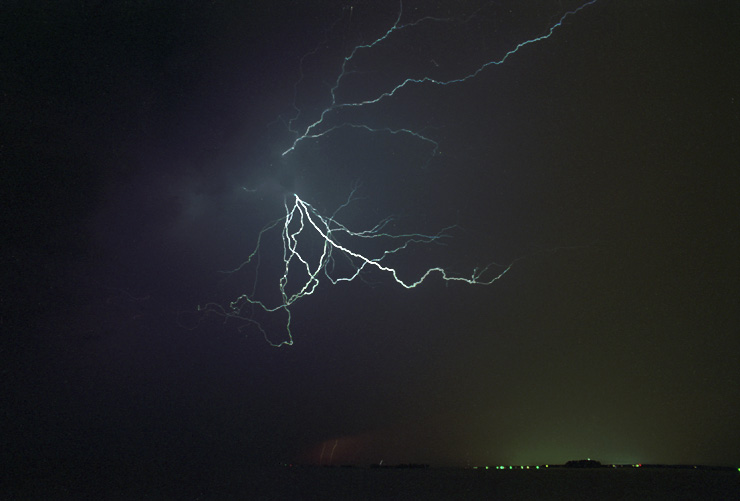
522 467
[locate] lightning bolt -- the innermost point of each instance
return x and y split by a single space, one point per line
310 266
314 130
317 247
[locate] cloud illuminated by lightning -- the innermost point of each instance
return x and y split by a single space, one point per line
318 248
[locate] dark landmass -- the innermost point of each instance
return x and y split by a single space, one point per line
575 463
590 463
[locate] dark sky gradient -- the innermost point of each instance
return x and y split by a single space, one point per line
603 159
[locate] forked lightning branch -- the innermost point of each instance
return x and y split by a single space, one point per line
319 248
305 269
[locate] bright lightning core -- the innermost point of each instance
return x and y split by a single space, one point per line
318 247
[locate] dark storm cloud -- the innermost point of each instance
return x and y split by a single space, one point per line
142 153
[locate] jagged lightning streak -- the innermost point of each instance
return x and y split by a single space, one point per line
313 131
313 243
331 457
301 220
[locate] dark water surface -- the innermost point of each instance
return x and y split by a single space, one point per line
366 483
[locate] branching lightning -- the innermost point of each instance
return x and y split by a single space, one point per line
318 248
300 220
314 130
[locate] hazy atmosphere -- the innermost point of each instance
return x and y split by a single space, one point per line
587 154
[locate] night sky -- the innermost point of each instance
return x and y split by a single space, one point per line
602 162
